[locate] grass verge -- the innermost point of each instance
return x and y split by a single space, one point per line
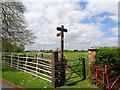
23 79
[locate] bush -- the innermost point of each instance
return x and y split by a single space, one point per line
107 56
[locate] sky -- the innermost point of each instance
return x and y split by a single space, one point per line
90 23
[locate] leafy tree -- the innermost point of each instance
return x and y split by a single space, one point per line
6 45
13 24
19 48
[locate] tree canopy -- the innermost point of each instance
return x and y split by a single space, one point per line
13 24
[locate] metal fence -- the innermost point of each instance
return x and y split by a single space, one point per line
39 67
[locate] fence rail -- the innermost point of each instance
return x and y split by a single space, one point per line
36 66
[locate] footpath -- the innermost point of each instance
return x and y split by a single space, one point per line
8 85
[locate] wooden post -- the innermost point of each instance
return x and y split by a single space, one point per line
60 66
42 55
54 59
58 71
83 68
62 40
62 43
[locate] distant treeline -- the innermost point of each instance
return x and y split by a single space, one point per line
21 48
50 51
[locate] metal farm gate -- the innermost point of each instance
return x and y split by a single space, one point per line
75 71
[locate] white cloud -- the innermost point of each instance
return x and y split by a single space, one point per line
69 0
44 17
106 42
100 7
103 0
114 18
115 30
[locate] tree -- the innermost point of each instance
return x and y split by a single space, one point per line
19 48
13 24
7 46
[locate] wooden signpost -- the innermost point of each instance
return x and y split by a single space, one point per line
58 70
62 29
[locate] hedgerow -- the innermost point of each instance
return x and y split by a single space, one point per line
107 56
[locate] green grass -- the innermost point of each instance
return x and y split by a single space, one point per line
82 84
29 81
22 79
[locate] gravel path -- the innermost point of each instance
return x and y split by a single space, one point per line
7 85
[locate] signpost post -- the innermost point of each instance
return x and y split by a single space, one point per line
62 29
63 63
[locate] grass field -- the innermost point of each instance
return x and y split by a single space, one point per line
28 81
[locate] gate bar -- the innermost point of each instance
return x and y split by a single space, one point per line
83 69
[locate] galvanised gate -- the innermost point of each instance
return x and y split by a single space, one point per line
75 70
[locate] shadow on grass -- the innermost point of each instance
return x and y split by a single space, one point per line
74 83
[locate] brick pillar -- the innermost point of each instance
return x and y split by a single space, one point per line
91 54
91 57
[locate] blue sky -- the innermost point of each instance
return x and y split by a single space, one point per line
108 23
89 24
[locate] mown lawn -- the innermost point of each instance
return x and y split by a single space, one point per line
29 81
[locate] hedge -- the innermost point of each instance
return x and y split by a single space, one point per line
107 56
